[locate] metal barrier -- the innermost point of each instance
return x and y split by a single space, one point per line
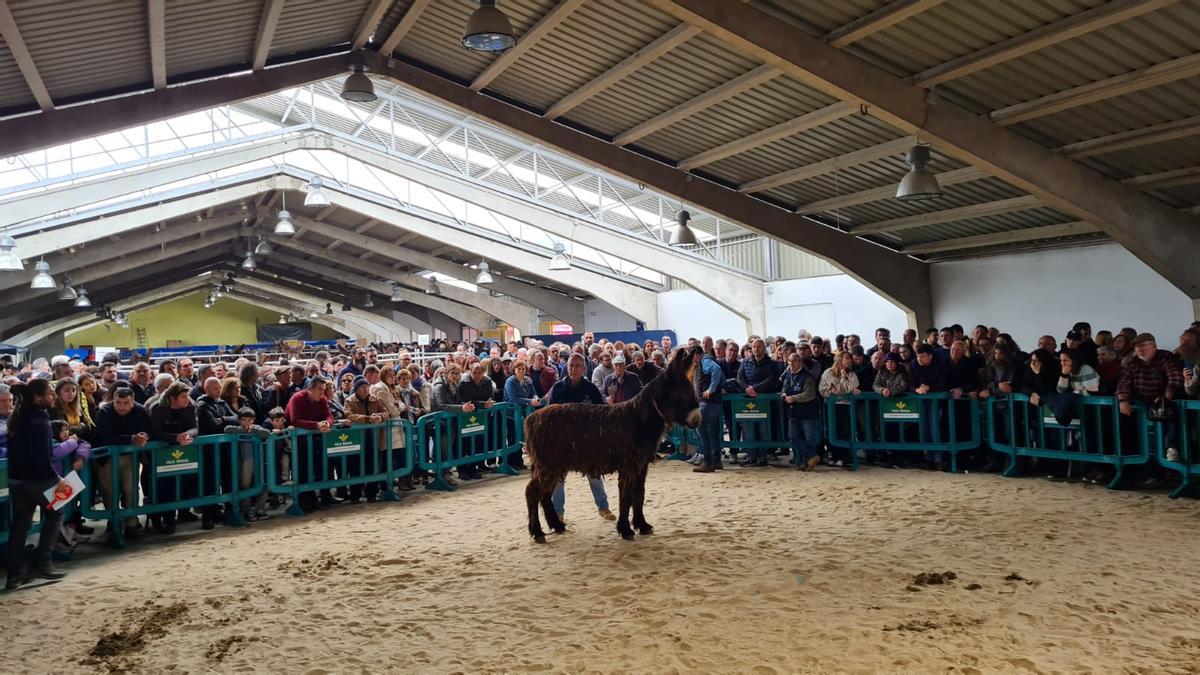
935 422
1187 421
1019 429
682 437
765 410
451 439
344 456
205 473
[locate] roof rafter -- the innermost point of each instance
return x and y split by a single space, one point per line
156 15
266 32
997 207
862 156
796 125
1001 238
663 44
1134 138
20 53
406 23
539 30
881 19
369 21
945 178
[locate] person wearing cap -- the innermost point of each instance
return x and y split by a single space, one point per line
363 407
60 367
621 385
892 380
1074 342
1152 374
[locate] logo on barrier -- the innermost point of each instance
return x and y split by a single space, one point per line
4 481
342 442
470 424
899 410
183 459
748 411
1048 418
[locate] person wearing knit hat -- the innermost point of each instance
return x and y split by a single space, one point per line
892 380
364 408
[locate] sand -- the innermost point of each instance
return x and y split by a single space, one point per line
758 570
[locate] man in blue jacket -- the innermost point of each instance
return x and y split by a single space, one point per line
709 382
575 388
758 374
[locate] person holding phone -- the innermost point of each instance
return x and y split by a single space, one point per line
30 473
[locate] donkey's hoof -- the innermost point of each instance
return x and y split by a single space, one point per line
628 536
645 529
561 529
539 538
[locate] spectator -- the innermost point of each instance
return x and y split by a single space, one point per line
645 370
820 354
519 387
621 385
162 382
141 383
173 420
363 407
1087 347
253 507
1003 375
803 408
408 397
121 422
963 375
252 394
1075 342
1109 370
709 381
575 388
603 369
838 380
1076 376
495 371
758 374
6 408
543 376
446 396
231 393
384 391
1041 378
1152 377
310 410
356 365
892 380
866 368
30 473
68 407
928 374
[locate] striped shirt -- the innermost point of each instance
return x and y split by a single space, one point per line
1085 382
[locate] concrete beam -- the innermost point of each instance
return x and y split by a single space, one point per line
1149 229
899 278
385 327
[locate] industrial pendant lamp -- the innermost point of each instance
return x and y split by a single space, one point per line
433 288
358 87
313 314
264 247
9 262
81 299
282 319
683 235
41 276
488 29
396 297
66 292
485 274
248 264
284 227
315 193
560 261
345 307
919 183
328 308
368 303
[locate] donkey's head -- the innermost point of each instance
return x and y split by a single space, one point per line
672 392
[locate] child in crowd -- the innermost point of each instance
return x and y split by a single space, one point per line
283 445
68 449
254 507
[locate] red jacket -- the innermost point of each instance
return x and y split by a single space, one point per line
304 414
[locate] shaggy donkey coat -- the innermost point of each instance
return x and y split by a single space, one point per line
595 440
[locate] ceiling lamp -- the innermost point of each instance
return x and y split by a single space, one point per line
683 235
328 308
41 276
560 261
313 314
919 183
81 299
66 292
263 248
9 262
368 303
358 87
488 29
248 264
282 319
396 293
433 288
345 307
485 274
315 193
284 227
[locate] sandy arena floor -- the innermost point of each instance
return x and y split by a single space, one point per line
749 571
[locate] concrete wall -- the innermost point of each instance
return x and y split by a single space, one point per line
599 315
1031 294
824 306
186 320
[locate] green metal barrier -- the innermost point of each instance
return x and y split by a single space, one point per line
764 409
921 423
1018 429
682 437
341 457
1187 417
450 439
178 476
65 466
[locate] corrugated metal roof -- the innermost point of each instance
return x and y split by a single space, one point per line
207 34
13 89
305 25
436 39
972 226
391 18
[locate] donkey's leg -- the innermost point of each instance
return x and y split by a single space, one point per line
552 518
625 490
639 500
533 492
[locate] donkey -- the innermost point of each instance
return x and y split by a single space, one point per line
596 440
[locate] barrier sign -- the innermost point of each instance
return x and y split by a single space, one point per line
180 459
1048 418
899 409
750 411
471 424
343 442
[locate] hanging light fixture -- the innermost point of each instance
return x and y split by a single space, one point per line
282 319
683 235
81 299
368 303
433 288
316 193
248 264
328 308
284 227
313 314
41 276
358 87
66 292
485 274
560 261
264 247
345 307
9 262
919 183
488 29
396 293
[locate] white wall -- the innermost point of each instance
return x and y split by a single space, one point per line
824 306
599 315
1046 292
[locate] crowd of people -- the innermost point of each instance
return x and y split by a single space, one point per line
54 412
